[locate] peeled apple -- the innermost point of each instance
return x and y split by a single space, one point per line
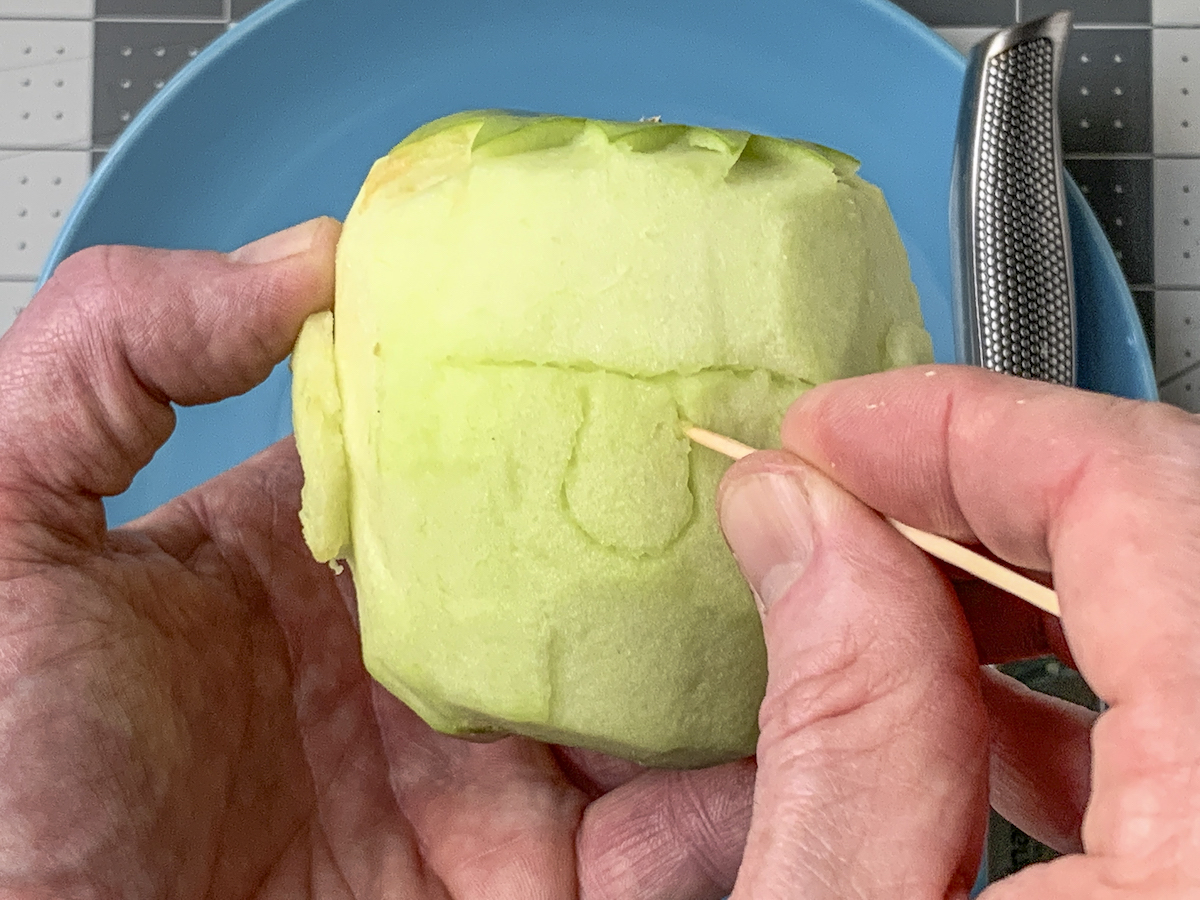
528 310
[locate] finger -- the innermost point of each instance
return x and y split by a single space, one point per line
973 454
1040 761
89 372
1032 469
872 762
493 819
1077 877
1107 490
667 835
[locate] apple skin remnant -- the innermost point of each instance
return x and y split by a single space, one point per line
528 308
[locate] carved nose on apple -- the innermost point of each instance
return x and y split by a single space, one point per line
629 447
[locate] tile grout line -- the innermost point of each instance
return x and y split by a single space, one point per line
162 20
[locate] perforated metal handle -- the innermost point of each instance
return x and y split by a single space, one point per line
1014 304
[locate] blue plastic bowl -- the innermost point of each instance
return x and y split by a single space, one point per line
280 119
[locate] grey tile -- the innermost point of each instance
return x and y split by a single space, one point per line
1182 390
45 83
14 295
1105 104
97 155
157 9
37 190
1177 333
956 12
1121 193
1177 91
1113 11
133 61
47 9
1177 222
1176 12
243 8
1177 363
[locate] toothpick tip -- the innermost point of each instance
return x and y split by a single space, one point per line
724 445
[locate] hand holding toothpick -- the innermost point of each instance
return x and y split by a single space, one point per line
981 567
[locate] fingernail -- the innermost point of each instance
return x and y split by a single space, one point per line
277 246
767 520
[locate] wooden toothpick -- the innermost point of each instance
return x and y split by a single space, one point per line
944 549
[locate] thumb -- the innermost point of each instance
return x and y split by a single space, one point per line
872 778
91 369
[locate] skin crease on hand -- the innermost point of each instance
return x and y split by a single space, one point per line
184 711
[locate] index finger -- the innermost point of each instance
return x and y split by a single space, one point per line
1105 494
1102 492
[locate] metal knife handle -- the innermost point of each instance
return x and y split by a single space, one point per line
1014 304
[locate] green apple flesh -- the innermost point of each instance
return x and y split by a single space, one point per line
527 310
